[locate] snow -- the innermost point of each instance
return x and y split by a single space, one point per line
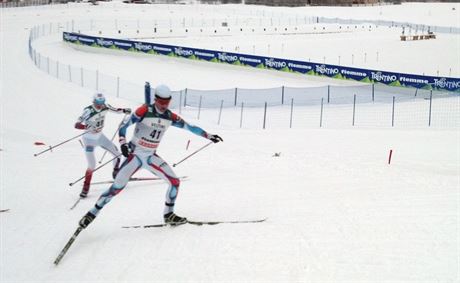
336 210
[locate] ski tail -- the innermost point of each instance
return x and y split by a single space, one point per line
67 246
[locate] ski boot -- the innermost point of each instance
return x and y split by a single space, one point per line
85 190
86 220
173 219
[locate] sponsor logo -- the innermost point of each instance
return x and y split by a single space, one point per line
226 57
147 144
70 37
252 60
84 39
204 54
142 47
118 43
444 83
161 48
183 52
378 76
353 73
104 42
413 80
298 66
322 69
272 63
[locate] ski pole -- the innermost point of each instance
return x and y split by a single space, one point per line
97 168
200 149
114 134
54 146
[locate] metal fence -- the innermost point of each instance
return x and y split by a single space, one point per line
368 105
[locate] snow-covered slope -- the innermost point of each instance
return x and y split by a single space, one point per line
336 210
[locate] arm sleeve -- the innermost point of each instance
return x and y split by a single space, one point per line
113 109
84 116
135 117
178 122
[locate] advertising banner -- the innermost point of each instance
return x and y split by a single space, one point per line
285 65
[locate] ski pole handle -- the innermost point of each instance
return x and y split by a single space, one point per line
54 146
200 149
97 168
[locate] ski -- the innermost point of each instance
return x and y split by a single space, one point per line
136 179
197 223
4 210
67 246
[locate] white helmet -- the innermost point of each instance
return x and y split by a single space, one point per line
98 99
162 92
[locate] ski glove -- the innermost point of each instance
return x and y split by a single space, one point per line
125 150
215 138
80 126
127 111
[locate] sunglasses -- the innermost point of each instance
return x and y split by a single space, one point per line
163 102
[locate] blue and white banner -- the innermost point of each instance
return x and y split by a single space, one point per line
292 66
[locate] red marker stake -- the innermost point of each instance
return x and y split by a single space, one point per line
389 156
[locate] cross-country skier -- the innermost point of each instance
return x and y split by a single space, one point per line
151 121
92 120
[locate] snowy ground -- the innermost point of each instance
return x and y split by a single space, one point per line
336 211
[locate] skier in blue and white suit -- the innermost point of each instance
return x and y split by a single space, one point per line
151 122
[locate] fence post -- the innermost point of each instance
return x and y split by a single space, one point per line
185 98
429 115
70 73
321 114
81 76
282 95
118 86
180 102
328 93
292 109
97 80
393 113
241 117
220 111
236 94
373 92
199 107
354 108
265 114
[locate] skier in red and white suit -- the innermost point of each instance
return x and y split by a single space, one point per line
92 120
151 121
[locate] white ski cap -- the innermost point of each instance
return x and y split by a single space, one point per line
162 92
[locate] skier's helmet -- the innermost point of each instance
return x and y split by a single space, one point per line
162 92
162 98
99 99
